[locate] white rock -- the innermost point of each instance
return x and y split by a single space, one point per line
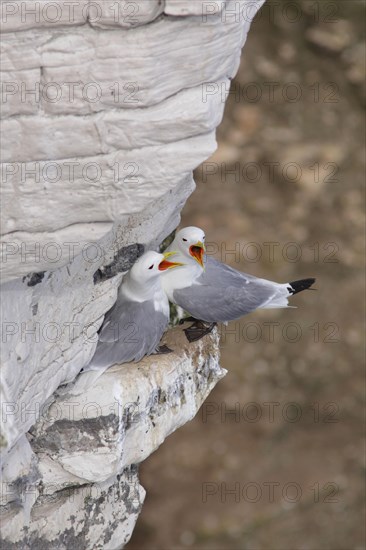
84 441
19 464
130 410
107 132
132 178
93 516
198 7
12 83
21 16
87 70
124 13
40 14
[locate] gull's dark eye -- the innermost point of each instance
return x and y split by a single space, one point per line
185 240
203 238
151 266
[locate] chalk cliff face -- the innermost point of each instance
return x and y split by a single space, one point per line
107 108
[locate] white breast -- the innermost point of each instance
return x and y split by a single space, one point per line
179 277
161 302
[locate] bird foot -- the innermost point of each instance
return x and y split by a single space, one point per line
198 330
163 350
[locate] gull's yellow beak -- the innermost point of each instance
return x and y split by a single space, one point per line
197 252
165 264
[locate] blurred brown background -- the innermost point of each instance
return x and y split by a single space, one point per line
293 450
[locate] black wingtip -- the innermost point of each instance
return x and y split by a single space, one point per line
298 286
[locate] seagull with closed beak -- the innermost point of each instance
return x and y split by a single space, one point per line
214 292
135 324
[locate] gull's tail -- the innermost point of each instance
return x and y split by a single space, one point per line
285 291
299 286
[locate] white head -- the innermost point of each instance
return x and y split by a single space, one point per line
150 266
190 242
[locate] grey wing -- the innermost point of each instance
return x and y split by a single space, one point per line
130 331
223 294
218 273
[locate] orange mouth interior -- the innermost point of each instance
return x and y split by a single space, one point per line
197 253
165 264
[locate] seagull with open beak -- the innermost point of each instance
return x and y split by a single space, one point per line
188 249
214 292
135 324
